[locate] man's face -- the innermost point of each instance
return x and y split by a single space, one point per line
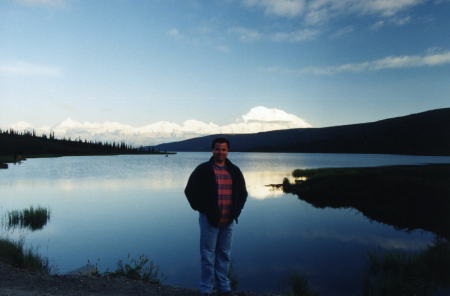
220 152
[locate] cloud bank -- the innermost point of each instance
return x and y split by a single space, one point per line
284 8
390 62
320 11
48 3
258 119
29 69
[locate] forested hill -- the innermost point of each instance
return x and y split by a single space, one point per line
26 144
426 133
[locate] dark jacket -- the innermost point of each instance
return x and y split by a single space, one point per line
201 191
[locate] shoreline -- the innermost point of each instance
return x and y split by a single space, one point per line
10 159
19 282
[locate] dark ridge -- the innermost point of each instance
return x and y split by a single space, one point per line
426 133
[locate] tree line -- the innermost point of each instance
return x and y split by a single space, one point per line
28 143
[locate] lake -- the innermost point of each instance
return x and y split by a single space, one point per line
105 208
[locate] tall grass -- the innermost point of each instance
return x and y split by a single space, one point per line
14 253
30 218
420 273
300 286
139 269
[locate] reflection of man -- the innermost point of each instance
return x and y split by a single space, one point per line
216 189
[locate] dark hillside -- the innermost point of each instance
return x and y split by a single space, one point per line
426 133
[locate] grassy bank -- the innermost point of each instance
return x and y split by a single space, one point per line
407 197
14 253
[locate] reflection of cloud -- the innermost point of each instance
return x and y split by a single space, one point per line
157 180
69 185
256 181
258 119
368 239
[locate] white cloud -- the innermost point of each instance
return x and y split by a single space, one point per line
175 33
51 3
377 25
390 62
341 32
223 48
258 119
283 8
28 69
320 11
295 36
250 35
398 21
271 115
401 21
245 34
387 7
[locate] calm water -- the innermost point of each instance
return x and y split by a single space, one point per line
104 208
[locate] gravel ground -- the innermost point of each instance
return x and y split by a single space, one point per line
17 282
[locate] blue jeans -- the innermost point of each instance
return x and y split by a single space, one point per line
215 251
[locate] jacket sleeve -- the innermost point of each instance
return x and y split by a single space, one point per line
192 189
242 191
244 188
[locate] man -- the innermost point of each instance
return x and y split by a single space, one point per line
216 189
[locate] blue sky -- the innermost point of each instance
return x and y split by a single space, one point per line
152 71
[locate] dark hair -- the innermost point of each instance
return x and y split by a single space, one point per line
220 140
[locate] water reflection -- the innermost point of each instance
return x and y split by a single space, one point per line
256 183
420 273
368 239
31 218
135 204
71 185
407 197
411 197
255 180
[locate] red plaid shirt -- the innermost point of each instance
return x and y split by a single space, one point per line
224 194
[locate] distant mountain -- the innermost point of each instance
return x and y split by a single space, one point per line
426 133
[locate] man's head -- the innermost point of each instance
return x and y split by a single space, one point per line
220 147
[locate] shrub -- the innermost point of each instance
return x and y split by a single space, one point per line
13 253
139 269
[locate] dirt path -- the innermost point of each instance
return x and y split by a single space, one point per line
16 282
